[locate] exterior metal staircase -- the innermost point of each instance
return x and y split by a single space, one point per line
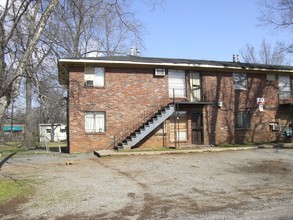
147 127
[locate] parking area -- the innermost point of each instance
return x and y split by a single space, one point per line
246 184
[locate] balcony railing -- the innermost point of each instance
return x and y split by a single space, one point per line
177 93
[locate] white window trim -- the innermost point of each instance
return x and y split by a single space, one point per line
96 124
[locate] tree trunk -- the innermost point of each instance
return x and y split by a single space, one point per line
4 103
29 134
6 96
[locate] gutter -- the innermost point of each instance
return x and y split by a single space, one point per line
164 64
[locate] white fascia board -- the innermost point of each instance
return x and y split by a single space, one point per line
171 65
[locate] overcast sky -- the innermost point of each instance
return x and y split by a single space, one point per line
203 29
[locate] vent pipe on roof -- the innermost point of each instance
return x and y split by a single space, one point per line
236 58
134 52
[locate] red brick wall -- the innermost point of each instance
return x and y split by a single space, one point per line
127 95
219 87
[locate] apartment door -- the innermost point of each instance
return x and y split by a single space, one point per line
195 87
197 128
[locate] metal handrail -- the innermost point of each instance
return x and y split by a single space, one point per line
146 116
136 123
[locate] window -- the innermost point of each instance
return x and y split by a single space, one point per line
179 122
48 131
176 81
94 122
94 76
242 120
240 81
284 87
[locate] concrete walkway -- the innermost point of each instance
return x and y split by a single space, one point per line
104 153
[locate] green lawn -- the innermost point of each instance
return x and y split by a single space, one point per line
7 148
10 189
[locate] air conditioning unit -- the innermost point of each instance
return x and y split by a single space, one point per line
89 83
160 72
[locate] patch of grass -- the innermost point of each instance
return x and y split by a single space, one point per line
236 145
9 147
10 189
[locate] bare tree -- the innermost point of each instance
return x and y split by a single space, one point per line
83 27
77 28
12 63
267 54
278 14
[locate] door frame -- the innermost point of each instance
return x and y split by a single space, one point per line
195 131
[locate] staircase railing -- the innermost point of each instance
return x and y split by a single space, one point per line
138 121
146 115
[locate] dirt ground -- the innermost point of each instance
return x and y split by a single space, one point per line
247 184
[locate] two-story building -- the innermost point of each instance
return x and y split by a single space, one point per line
131 101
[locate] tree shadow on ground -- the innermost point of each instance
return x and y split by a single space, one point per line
6 159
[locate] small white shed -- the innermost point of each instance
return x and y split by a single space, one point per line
52 132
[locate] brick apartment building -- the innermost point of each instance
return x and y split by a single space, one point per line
131 101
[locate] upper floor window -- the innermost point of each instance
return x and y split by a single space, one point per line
94 76
284 87
94 122
176 82
240 81
242 120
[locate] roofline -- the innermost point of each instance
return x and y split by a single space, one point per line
171 64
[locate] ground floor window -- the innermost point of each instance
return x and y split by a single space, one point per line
94 122
178 126
242 119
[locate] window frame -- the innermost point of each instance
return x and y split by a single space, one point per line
241 85
95 129
94 73
286 91
181 86
245 120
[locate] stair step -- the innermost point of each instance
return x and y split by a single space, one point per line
149 126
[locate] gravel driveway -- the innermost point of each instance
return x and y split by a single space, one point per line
247 184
